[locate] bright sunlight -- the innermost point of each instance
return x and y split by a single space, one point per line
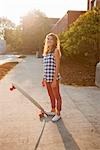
14 9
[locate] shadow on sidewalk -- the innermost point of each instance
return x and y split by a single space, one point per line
67 138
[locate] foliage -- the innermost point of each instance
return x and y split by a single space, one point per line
29 35
5 24
35 26
83 36
14 39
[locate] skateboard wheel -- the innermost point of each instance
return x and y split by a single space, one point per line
41 115
12 88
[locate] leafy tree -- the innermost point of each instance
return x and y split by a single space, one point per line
29 35
83 36
5 24
35 26
14 39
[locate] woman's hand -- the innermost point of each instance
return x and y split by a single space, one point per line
43 83
54 83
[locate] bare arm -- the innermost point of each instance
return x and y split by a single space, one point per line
57 55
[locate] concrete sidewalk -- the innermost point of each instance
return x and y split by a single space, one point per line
9 58
20 127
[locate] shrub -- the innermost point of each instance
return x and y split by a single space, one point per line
82 39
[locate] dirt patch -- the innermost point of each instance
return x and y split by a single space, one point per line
78 74
5 68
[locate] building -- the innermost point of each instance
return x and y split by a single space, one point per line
63 23
92 3
27 22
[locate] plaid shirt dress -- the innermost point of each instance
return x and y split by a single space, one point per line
49 66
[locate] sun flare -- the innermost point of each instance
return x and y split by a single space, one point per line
14 9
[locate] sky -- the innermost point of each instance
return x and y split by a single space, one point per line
14 9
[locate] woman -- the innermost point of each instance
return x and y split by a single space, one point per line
51 62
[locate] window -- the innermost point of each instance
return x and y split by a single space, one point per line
95 1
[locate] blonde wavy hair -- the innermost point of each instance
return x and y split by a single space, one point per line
55 46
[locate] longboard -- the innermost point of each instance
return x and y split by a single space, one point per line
15 86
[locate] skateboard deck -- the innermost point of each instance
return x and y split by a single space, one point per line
31 99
